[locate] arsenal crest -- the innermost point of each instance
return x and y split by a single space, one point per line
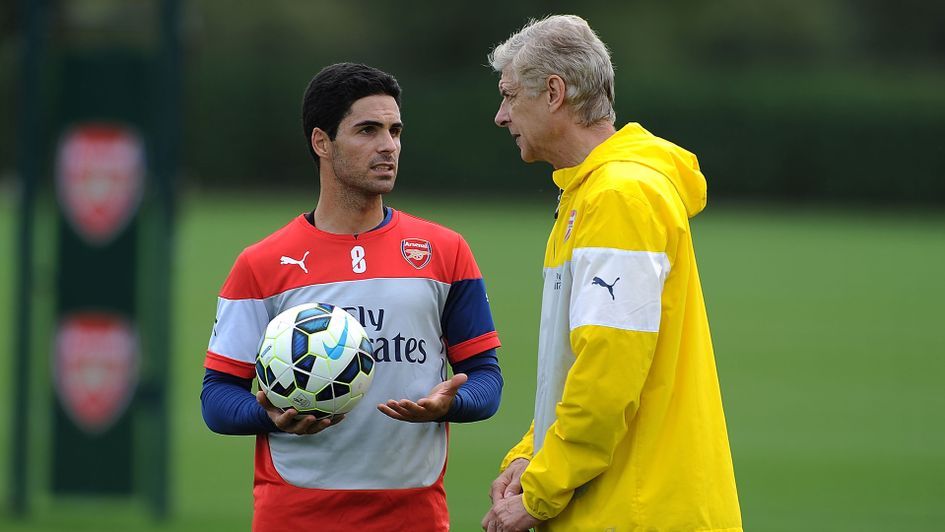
99 179
96 368
416 251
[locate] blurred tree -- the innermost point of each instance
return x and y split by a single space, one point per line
906 31
723 78
783 32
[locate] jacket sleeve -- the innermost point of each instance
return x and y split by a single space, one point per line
619 267
523 449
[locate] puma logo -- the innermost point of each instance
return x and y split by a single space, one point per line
610 287
300 262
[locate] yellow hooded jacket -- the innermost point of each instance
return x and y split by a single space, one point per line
629 432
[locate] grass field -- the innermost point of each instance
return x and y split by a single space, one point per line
829 329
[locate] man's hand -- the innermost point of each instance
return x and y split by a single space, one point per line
430 408
509 482
509 515
290 421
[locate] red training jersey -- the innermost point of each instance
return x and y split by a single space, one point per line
417 290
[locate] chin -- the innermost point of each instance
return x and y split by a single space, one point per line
384 187
373 185
526 154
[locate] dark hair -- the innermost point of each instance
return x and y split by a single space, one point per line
334 89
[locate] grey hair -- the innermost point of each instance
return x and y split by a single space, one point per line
564 45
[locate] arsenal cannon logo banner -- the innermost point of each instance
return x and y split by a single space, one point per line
100 181
93 289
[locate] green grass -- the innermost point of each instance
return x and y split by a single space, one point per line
829 337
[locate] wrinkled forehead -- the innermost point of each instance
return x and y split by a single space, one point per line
509 80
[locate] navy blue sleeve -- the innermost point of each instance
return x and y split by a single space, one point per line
466 314
229 406
479 397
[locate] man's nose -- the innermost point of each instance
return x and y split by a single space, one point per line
388 143
502 116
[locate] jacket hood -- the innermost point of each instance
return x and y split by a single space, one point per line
633 143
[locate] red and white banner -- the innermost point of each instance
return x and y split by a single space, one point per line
96 368
100 172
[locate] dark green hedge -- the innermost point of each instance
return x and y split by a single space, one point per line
858 141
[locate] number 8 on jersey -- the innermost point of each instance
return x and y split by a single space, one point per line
358 265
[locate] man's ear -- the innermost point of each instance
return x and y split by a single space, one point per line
555 92
321 144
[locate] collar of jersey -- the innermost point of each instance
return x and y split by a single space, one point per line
373 233
572 177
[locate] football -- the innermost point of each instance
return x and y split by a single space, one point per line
316 358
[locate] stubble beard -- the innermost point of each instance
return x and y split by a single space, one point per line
356 185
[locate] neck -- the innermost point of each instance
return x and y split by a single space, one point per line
348 214
576 142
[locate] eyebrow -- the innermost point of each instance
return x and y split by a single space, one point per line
375 123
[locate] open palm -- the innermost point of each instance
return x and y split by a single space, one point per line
429 408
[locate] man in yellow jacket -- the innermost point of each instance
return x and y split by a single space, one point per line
629 432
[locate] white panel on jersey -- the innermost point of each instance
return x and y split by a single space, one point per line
617 288
238 329
554 348
370 450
